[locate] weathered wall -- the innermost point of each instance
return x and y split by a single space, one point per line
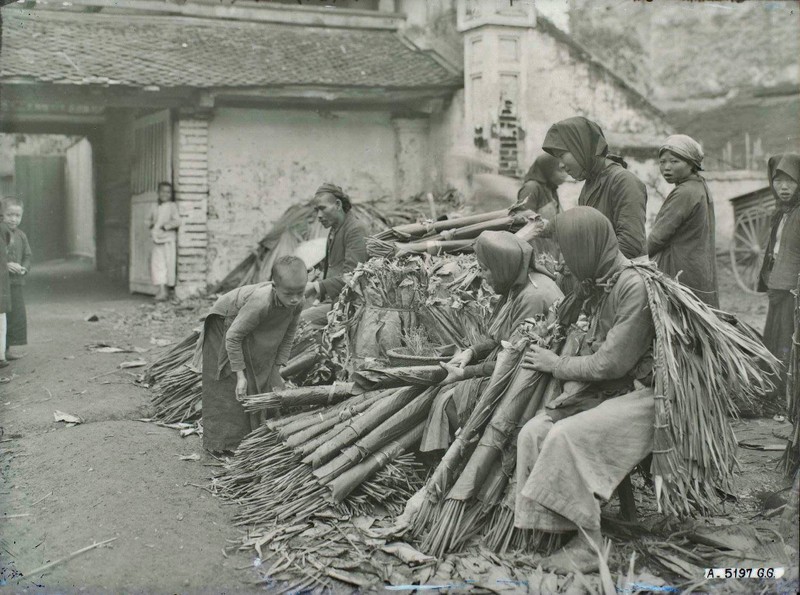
262 161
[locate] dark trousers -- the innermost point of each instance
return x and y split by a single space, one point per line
17 333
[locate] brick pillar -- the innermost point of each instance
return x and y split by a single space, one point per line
191 176
411 156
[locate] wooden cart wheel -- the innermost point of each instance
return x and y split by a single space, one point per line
750 237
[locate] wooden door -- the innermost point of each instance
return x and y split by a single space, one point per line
152 163
40 185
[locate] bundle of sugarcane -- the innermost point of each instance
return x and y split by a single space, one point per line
416 231
294 398
448 469
499 532
178 396
296 467
481 481
791 456
174 357
450 236
703 366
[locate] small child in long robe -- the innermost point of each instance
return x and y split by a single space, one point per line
247 338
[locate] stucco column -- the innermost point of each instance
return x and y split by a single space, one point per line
411 156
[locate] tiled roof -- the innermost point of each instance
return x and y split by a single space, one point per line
87 49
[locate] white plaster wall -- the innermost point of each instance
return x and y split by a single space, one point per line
260 162
447 139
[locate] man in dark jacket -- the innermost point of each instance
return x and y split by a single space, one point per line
345 249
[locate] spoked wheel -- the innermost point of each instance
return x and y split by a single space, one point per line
750 237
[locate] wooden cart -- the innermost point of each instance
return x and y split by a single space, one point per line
752 215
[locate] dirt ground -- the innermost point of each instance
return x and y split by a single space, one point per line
112 476
65 488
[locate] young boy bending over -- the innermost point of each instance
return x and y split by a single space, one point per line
246 339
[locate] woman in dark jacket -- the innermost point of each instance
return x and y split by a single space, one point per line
609 187
682 239
540 194
779 273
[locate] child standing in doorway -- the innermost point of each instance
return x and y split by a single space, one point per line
164 222
19 263
5 290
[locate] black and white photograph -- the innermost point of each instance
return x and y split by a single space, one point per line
316 297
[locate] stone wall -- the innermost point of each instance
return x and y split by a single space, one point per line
260 162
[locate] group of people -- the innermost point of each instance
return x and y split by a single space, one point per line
15 262
576 451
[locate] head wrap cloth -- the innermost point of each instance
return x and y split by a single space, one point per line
544 169
789 164
336 192
506 256
685 147
579 136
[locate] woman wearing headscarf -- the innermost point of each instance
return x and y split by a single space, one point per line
540 188
609 187
779 273
539 192
592 435
346 247
682 239
507 264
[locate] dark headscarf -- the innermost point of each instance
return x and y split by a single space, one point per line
588 243
789 164
543 170
506 256
336 192
591 252
581 137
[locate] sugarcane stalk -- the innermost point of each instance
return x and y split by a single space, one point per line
362 425
344 484
413 412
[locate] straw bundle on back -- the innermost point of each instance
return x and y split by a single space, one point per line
704 365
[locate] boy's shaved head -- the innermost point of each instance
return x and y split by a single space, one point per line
289 270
